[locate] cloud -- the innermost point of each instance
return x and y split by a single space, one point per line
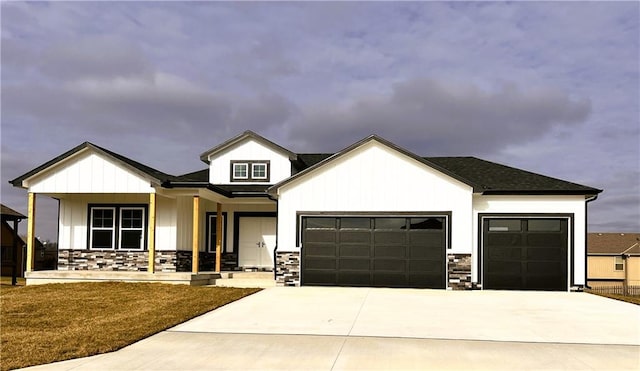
435 117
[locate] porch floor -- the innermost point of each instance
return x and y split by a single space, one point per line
177 278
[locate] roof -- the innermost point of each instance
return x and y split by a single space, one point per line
157 175
246 135
613 243
484 176
10 214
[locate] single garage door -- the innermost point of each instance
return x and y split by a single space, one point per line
525 254
374 251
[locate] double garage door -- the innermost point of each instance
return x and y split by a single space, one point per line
374 251
525 253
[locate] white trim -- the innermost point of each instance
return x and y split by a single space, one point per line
211 247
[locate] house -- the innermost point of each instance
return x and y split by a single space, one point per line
13 247
613 259
373 214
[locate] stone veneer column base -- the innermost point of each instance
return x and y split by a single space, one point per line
459 272
287 268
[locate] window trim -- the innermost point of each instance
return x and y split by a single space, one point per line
253 170
116 233
618 261
250 178
211 246
142 229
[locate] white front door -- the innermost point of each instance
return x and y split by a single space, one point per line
256 241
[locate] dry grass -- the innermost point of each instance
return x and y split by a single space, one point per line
633 299
47 323
6 281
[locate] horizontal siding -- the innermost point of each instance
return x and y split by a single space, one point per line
375 178
89 172
602 267
220 166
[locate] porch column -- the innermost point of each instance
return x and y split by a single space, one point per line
14 253
31 231
196 234
151 240
218 236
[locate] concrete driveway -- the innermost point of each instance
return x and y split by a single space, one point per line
385 329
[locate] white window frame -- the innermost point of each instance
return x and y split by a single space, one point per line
253 170
618 261
141 229
246 167
112 229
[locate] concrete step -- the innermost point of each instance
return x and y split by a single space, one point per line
245 282
247 275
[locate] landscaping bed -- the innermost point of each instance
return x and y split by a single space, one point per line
47 323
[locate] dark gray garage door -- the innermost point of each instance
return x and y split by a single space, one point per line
374 251
525 254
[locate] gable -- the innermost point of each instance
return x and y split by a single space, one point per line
372 170
88 171
248 150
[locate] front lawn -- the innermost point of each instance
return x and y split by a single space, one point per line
48 323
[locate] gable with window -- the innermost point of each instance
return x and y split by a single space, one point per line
250 171
117 227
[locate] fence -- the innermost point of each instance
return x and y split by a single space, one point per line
619 290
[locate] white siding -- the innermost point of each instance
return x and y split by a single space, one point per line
532 205
376 178
248 150
166 223
88 172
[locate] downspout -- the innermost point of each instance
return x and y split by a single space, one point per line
586 258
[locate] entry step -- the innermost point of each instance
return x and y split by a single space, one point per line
245 279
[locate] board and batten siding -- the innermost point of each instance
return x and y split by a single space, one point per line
376 178
249 150
88 172
525 205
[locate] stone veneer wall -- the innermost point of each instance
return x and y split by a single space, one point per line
459 271
287 268
138 261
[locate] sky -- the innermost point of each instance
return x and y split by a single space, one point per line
550 87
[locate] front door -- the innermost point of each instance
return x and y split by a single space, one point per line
256 241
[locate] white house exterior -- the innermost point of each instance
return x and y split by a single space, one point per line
373 214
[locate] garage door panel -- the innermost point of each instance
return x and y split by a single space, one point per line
505 253
354 278
505 267
389 251
545 253
392 238
549 268
354 264
320 263
318 249
545 239
373 251
363 237
427 239
346 251
505 239
320 236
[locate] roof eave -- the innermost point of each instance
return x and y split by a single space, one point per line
204 156
501 192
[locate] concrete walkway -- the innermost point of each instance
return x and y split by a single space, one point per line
392 329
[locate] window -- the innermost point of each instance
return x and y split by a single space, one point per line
117 227
240 171
250 171
505 225
259 171
211 232
619 264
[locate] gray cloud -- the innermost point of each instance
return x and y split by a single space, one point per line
443 118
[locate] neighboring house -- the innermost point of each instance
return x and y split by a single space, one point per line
613 258
373 214
12 249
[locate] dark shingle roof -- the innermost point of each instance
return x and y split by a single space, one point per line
10 214
500 179
613 243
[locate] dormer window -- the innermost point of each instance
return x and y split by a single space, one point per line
250 171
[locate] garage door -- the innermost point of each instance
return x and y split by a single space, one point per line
374 251
525 254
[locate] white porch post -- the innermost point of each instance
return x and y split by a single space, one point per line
31 231
218 235
151 240
196 234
